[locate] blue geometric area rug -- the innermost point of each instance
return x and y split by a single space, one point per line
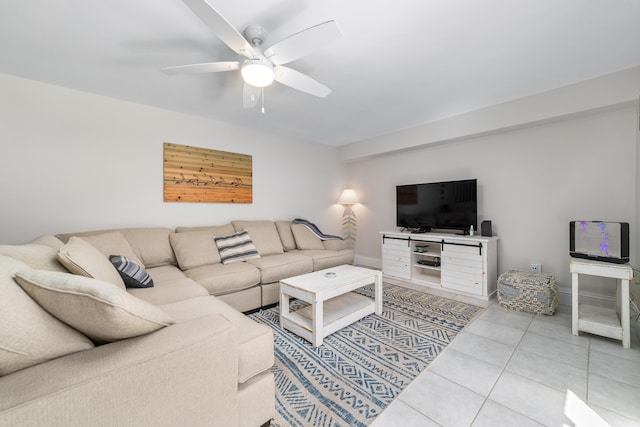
359 370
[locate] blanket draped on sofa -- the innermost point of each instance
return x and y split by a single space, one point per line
315 230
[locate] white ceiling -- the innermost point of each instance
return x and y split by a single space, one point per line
399 64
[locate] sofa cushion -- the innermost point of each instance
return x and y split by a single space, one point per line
112 243
34 255
236 247
255 341
246 299
220 279
170 284
264 235
274 268
100 310
196 248
28 334
79 257
326 259
305 239
133 274
286 236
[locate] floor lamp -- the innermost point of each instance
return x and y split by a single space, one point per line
347 199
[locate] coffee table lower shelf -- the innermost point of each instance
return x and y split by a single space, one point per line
338 312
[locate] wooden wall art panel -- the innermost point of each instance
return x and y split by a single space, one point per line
193 174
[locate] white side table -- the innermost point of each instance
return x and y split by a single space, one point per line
598 320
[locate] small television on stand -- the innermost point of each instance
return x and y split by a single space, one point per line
448 206
600 241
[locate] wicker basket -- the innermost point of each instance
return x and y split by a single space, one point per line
531 292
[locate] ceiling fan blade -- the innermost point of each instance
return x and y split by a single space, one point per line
250 95
207 67
300 44
302 82
225 31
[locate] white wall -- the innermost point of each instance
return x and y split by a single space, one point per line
635 287
72 161
531 183
601 93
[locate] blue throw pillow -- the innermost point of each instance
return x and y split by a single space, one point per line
133 274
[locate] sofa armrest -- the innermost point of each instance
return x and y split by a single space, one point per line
334 245
184 374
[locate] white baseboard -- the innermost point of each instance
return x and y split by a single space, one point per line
368 262
588 298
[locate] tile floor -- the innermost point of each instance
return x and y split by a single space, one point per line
508 368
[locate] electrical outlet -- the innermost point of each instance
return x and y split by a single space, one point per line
535 268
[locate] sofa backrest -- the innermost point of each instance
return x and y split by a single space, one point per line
195 247
150 245
48 240
286 236
305 239
35 255
264 235
297 236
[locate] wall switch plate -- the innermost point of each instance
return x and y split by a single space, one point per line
535 268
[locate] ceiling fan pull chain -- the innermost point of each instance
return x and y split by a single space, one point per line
262 96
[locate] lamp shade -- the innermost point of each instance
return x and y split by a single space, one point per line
348 197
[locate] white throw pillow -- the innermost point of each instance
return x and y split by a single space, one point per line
28 334
102 311
82 258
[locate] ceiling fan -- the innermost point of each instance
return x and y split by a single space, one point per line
260 68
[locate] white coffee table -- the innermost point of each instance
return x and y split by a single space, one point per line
333 305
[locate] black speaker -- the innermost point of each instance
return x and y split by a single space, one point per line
485 228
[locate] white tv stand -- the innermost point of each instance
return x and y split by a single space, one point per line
468 264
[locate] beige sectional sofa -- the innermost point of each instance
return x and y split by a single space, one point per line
81 350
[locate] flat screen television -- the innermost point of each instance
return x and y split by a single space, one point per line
450 205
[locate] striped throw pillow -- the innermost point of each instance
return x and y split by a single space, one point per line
133 274
236 247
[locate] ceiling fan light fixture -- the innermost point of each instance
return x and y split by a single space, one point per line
257 72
